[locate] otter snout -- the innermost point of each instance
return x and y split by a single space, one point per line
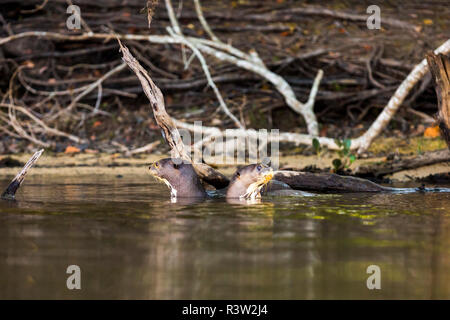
266 174
153 169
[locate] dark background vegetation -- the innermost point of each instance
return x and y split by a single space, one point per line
292 44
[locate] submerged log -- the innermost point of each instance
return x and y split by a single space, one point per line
440 70
10 192
327 182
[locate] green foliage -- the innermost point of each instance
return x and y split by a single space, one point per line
316 146
419 146
346 158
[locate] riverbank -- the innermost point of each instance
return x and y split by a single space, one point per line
117 164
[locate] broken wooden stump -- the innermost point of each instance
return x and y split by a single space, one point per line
440 70
10 192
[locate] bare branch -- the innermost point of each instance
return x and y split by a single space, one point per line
201 18
167 125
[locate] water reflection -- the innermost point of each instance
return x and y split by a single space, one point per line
132 242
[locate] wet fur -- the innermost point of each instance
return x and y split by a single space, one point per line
181 179
248 181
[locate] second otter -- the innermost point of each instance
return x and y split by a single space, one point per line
183 181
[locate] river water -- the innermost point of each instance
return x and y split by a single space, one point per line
131 242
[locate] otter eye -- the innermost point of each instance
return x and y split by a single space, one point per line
176 166
259 167
156 164
238 174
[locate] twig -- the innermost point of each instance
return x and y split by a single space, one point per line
208 76
88 89
201 18
147 148
182 39
46 128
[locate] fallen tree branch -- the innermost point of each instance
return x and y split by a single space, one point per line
383 168
298 138
10 192
165 122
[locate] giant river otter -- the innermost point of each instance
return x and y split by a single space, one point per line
183 182
181 178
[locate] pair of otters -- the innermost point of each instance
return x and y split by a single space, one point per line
247 182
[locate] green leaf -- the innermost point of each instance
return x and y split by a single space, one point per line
337 163
352 158
338 142
316 145
347 144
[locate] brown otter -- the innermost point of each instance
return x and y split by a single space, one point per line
183 181
180 177
248 181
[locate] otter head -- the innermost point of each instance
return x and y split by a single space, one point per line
179 176
248 181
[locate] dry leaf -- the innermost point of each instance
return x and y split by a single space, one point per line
71 149
96 124
29 64
432 132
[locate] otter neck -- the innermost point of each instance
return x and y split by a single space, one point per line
189 188
237 189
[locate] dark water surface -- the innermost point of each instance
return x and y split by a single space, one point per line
130 241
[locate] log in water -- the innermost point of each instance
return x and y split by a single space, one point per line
10 192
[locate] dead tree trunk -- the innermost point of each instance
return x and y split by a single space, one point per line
440 70
9 193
